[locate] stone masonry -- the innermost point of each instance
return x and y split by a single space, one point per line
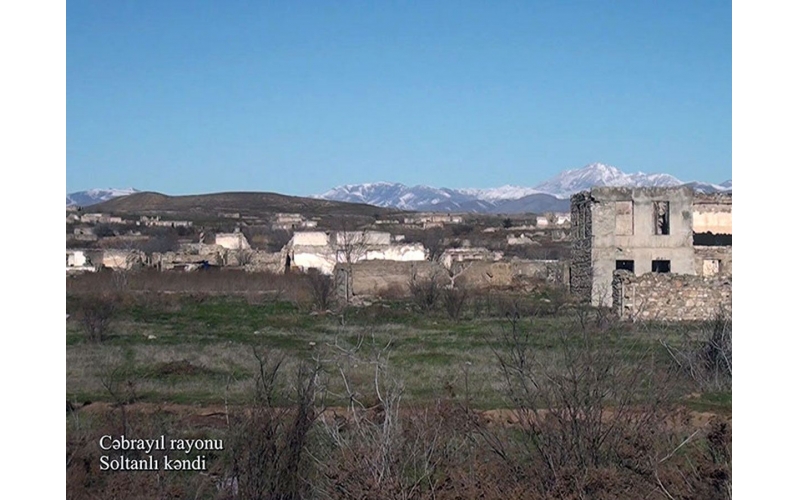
670 297
580 275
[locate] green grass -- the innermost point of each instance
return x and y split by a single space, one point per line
200 349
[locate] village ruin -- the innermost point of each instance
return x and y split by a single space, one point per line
646 253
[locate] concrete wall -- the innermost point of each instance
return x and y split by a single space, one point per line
670 297
121 259
76 258
453 255
370 238
325 258
713 222
232 241
408 253
305 260
713 213
310 238
522 239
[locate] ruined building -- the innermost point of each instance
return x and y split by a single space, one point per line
324 250
624 238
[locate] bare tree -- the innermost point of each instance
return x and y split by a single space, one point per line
351 246
455 296
434 241
96 313
322 289
425 290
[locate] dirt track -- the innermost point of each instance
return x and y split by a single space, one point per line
216 416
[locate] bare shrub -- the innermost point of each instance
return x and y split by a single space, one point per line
454 300
321 288
393 292
95 314
425 290
266 444
708 361
589 406
374 448
120 380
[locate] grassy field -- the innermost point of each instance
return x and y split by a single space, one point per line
202 349
524 396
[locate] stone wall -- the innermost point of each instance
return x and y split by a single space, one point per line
503 274
261 261
670 297
580 273
372 278
707 259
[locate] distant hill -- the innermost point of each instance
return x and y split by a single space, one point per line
533 203
245 203
384 197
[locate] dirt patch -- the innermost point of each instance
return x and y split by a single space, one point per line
216 415
182 368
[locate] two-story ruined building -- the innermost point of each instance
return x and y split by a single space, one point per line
646 230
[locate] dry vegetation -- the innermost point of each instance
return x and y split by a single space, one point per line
480 395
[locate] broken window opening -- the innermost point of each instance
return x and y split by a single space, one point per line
625 265
661 266
661 215
624 218
288 264
711 267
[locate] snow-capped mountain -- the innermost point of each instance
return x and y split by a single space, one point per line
92 196
395 195
705 187
502 193
429 199
550 195
569 182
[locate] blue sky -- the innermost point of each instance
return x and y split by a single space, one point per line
298 97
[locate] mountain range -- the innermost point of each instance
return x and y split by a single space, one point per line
551 195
